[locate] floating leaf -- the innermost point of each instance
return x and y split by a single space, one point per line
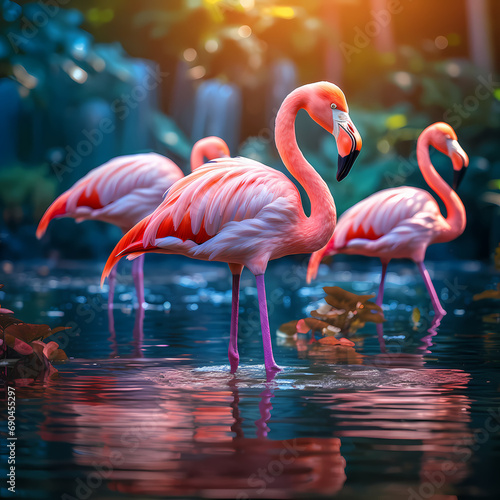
329 341
488 294
287 329
18 345
343 313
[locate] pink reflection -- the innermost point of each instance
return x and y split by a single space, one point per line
137 333
189 443
405 408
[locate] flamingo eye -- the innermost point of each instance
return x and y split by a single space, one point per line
333 106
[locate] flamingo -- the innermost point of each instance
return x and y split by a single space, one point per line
241 212
123 191
400 223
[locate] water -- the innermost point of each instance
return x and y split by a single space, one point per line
145 412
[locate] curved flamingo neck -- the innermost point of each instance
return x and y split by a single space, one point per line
456 218
197 157
316 230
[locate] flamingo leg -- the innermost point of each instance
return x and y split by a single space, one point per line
380 294
234 357
111 287
138 333
269 362
430 288
138 275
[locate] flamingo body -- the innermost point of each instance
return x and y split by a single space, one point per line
393 223
400 223
239 211
232 210
123 191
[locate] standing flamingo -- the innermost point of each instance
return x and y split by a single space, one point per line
123 191
400 223
242 212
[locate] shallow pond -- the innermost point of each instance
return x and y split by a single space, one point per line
150 409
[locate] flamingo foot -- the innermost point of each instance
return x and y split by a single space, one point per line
271 366
438 309
234 360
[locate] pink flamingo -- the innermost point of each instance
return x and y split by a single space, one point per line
123 191
400 223
241 212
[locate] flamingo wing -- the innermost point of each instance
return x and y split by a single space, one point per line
383 213
394 222
227 207
121 191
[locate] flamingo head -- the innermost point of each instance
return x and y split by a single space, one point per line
214 147
444 139
327 106
209 148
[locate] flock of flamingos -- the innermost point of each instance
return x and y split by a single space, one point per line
242 212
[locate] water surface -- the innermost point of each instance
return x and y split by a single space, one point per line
150 410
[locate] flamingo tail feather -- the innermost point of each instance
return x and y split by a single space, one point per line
131 243
56 210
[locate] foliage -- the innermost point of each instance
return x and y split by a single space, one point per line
234 39
23 344
53 60
21 187
488 294
343 313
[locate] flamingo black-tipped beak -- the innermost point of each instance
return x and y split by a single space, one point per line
348 144
460 162
458 175
345 164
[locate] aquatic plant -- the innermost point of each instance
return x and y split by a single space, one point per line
22 346
343 313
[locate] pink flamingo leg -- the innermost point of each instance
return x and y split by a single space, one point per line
380 294
234 357
269 362
111 287
430 288
138 333
138 275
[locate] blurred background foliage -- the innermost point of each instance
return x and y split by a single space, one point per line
85 80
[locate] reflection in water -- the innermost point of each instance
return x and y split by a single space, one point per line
418 411
185 442
137 333
163 417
